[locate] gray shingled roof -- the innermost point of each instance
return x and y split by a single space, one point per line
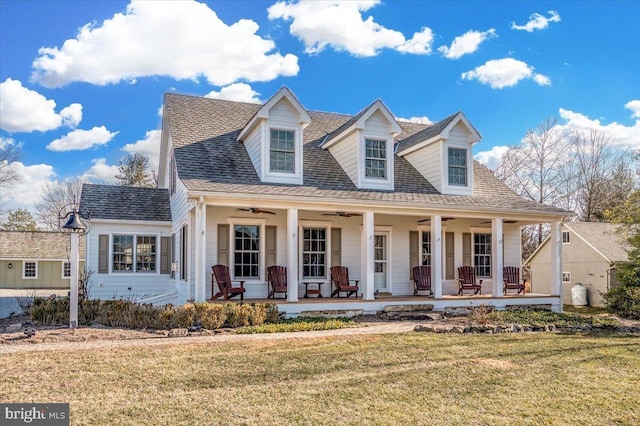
210 159
433 130
37 245
125 203
607 238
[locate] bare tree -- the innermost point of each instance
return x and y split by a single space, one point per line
56 196
604 177
133 170
9 153
539 169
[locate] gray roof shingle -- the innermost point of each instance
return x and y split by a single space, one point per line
608 238
37 245
125 203
210 159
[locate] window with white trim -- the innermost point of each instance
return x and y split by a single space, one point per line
566 277
565 237
314 252
126 248
29 270
246 254
282 151
375 158
482 254
457 166
66 269
426 248
184 239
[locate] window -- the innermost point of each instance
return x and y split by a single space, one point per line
246 257
125 251
426 248
183 252
375 158
482 254
146 254
66 269
566 277
457 166
172 175
282 151
314 252
565 237
30 270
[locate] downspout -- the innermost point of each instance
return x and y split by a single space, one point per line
609 276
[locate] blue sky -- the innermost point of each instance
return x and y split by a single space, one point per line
81 83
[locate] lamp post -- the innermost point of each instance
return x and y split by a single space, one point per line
76 228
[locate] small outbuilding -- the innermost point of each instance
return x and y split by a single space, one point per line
589 253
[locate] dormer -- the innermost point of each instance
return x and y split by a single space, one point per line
363 146
442 154
273 138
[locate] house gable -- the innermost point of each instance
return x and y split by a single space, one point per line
273 139
364 147
442 154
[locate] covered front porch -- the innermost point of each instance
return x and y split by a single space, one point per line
379 246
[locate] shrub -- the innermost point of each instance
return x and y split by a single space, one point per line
624 300
481 314
127 314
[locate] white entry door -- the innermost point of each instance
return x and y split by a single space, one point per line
381 264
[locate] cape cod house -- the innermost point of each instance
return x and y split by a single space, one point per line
249 186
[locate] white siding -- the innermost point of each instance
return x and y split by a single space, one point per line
253 145
115 285
512 246
459 133
284 114
346 154
180 216
428 161
378 123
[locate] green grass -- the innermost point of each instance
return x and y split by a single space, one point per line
403 379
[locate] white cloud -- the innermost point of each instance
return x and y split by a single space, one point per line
239 92
100 172
469 42
537 22
624 136
149 146
542 80
319 24
491 158
82 139
182 40
506 72
634 106
27 192
420 120
25 110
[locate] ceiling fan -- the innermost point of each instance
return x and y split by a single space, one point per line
444 219
255 210
342 214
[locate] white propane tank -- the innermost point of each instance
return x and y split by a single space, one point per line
579 295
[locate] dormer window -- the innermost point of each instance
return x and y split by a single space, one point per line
375 158
457 160
282 151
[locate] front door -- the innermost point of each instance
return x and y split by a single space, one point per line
380 251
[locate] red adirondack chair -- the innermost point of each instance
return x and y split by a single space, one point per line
422 279
227 290
467 280
341 283
511 275
277 280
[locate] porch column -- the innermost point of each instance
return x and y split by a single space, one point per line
556 263
497 257
292 255
367 255
436 255
200 252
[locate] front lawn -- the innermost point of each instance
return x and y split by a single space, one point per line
411 378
